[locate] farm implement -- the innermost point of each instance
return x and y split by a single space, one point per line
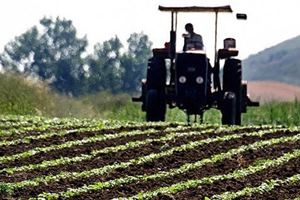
193 84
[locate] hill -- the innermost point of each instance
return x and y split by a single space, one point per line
279 63
270 90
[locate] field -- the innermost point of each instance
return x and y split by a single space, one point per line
67 158
23 96
273 91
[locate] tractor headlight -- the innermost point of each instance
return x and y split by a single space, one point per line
182 79
199 80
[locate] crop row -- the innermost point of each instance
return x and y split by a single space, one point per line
143 161
20 122
84 157
69 144
133 144
18 129
139 160
173 172
209 180
266 186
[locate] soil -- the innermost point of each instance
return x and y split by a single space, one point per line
177 159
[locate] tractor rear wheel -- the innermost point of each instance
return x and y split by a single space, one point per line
155 105
229 109
232 81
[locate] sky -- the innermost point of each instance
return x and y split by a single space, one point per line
269 22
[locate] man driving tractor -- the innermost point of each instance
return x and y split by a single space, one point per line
192 40
190 86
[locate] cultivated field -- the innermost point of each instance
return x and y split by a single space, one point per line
265 91
43 158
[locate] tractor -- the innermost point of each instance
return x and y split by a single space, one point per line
192 84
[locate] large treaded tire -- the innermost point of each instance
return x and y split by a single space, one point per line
229 109
232 81
155 106
156 74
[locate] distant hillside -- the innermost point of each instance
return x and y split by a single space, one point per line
278 63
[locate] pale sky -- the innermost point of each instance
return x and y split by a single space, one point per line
269 22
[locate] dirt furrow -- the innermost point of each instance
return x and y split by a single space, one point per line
57 140
101 159
281 172
174 161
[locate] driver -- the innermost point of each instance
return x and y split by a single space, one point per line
192 40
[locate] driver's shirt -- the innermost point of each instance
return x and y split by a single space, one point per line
193 42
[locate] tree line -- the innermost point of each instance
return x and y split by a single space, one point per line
55 54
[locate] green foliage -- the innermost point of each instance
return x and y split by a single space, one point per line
155 156
53 54
135 61
24 96
104 66
5 189
17 96
276 113
109 69
110 106
278 63
56 55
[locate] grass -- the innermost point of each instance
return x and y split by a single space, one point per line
21 96
276 113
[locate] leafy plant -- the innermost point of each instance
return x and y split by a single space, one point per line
5 188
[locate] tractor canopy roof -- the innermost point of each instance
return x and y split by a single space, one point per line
196 9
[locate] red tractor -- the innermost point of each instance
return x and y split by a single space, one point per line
189 86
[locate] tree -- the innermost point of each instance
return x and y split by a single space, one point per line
104 66
134 62
18 55
54 55
110 69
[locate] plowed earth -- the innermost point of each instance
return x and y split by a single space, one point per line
166 163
